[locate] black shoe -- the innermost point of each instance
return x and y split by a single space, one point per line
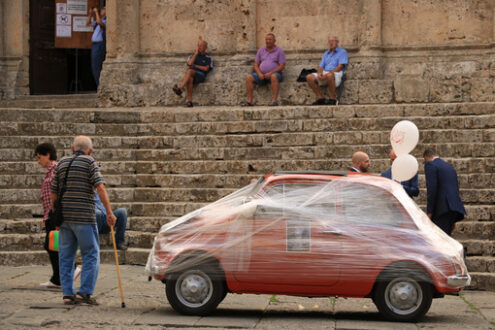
319 102
177 90
331 102
189 104
122 246
247 104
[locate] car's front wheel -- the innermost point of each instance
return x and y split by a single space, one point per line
404 297
197 290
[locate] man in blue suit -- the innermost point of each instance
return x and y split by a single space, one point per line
444 206
410 186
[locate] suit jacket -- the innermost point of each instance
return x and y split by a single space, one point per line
410 186
442 189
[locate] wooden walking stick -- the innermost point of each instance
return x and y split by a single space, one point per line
117 264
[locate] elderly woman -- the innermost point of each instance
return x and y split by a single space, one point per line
47 156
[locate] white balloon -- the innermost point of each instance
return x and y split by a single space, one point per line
404 137
404 167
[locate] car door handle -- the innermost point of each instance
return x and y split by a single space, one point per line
331 231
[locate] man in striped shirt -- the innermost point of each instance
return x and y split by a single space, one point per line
79 227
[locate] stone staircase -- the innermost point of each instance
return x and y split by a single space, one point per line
161 163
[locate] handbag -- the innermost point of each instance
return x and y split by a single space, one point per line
53 240
55 216
304 73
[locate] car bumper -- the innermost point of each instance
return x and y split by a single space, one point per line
458 281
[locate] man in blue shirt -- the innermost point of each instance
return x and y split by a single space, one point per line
410 186
330 72
103 228
199 65
98 48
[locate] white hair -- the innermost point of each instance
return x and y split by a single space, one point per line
82 143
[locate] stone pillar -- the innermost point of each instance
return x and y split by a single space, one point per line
123 28
14 47
2 22
246 40
370 36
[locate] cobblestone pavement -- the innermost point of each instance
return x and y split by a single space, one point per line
24 305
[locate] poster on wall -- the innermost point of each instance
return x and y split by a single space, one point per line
77 7
63 31
71 30
79 25
61 8
63 19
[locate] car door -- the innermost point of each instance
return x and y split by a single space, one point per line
377 233
290 242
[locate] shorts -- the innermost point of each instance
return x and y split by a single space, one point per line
337 75
264 81
199 77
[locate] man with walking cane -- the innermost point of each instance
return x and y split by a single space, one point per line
76 177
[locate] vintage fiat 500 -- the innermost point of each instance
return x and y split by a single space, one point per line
311 234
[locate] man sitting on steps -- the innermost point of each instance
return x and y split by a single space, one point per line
199 65
330 72
120 214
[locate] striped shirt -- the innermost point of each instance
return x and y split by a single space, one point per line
45 190
78 204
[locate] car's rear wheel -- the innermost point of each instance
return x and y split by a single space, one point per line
197 290
403 297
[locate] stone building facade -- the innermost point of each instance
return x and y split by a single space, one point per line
400 51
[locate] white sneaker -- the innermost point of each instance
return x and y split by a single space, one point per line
77 273
50 285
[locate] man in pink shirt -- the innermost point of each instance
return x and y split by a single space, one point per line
268 66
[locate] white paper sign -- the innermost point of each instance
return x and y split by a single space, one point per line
63 31
79 24
79 7
61 8
63 19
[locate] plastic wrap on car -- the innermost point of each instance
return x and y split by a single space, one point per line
312 229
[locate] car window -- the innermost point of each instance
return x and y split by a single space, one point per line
368 205
300 200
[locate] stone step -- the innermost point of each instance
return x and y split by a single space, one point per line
20 226
62 143
52 101
358 129
263 166
482 281
477 247
234 113
478 214
474 230
34 241
204 195
234 181
481 264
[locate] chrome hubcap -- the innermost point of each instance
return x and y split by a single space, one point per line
403 295
193 288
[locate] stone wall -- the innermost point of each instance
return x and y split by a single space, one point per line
400 51
14 48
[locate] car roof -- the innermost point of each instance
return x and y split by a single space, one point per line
364 178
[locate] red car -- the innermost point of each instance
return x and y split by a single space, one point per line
311 234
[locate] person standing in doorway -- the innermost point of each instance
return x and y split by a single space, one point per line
98 49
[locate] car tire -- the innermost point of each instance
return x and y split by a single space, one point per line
403 297
197 290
